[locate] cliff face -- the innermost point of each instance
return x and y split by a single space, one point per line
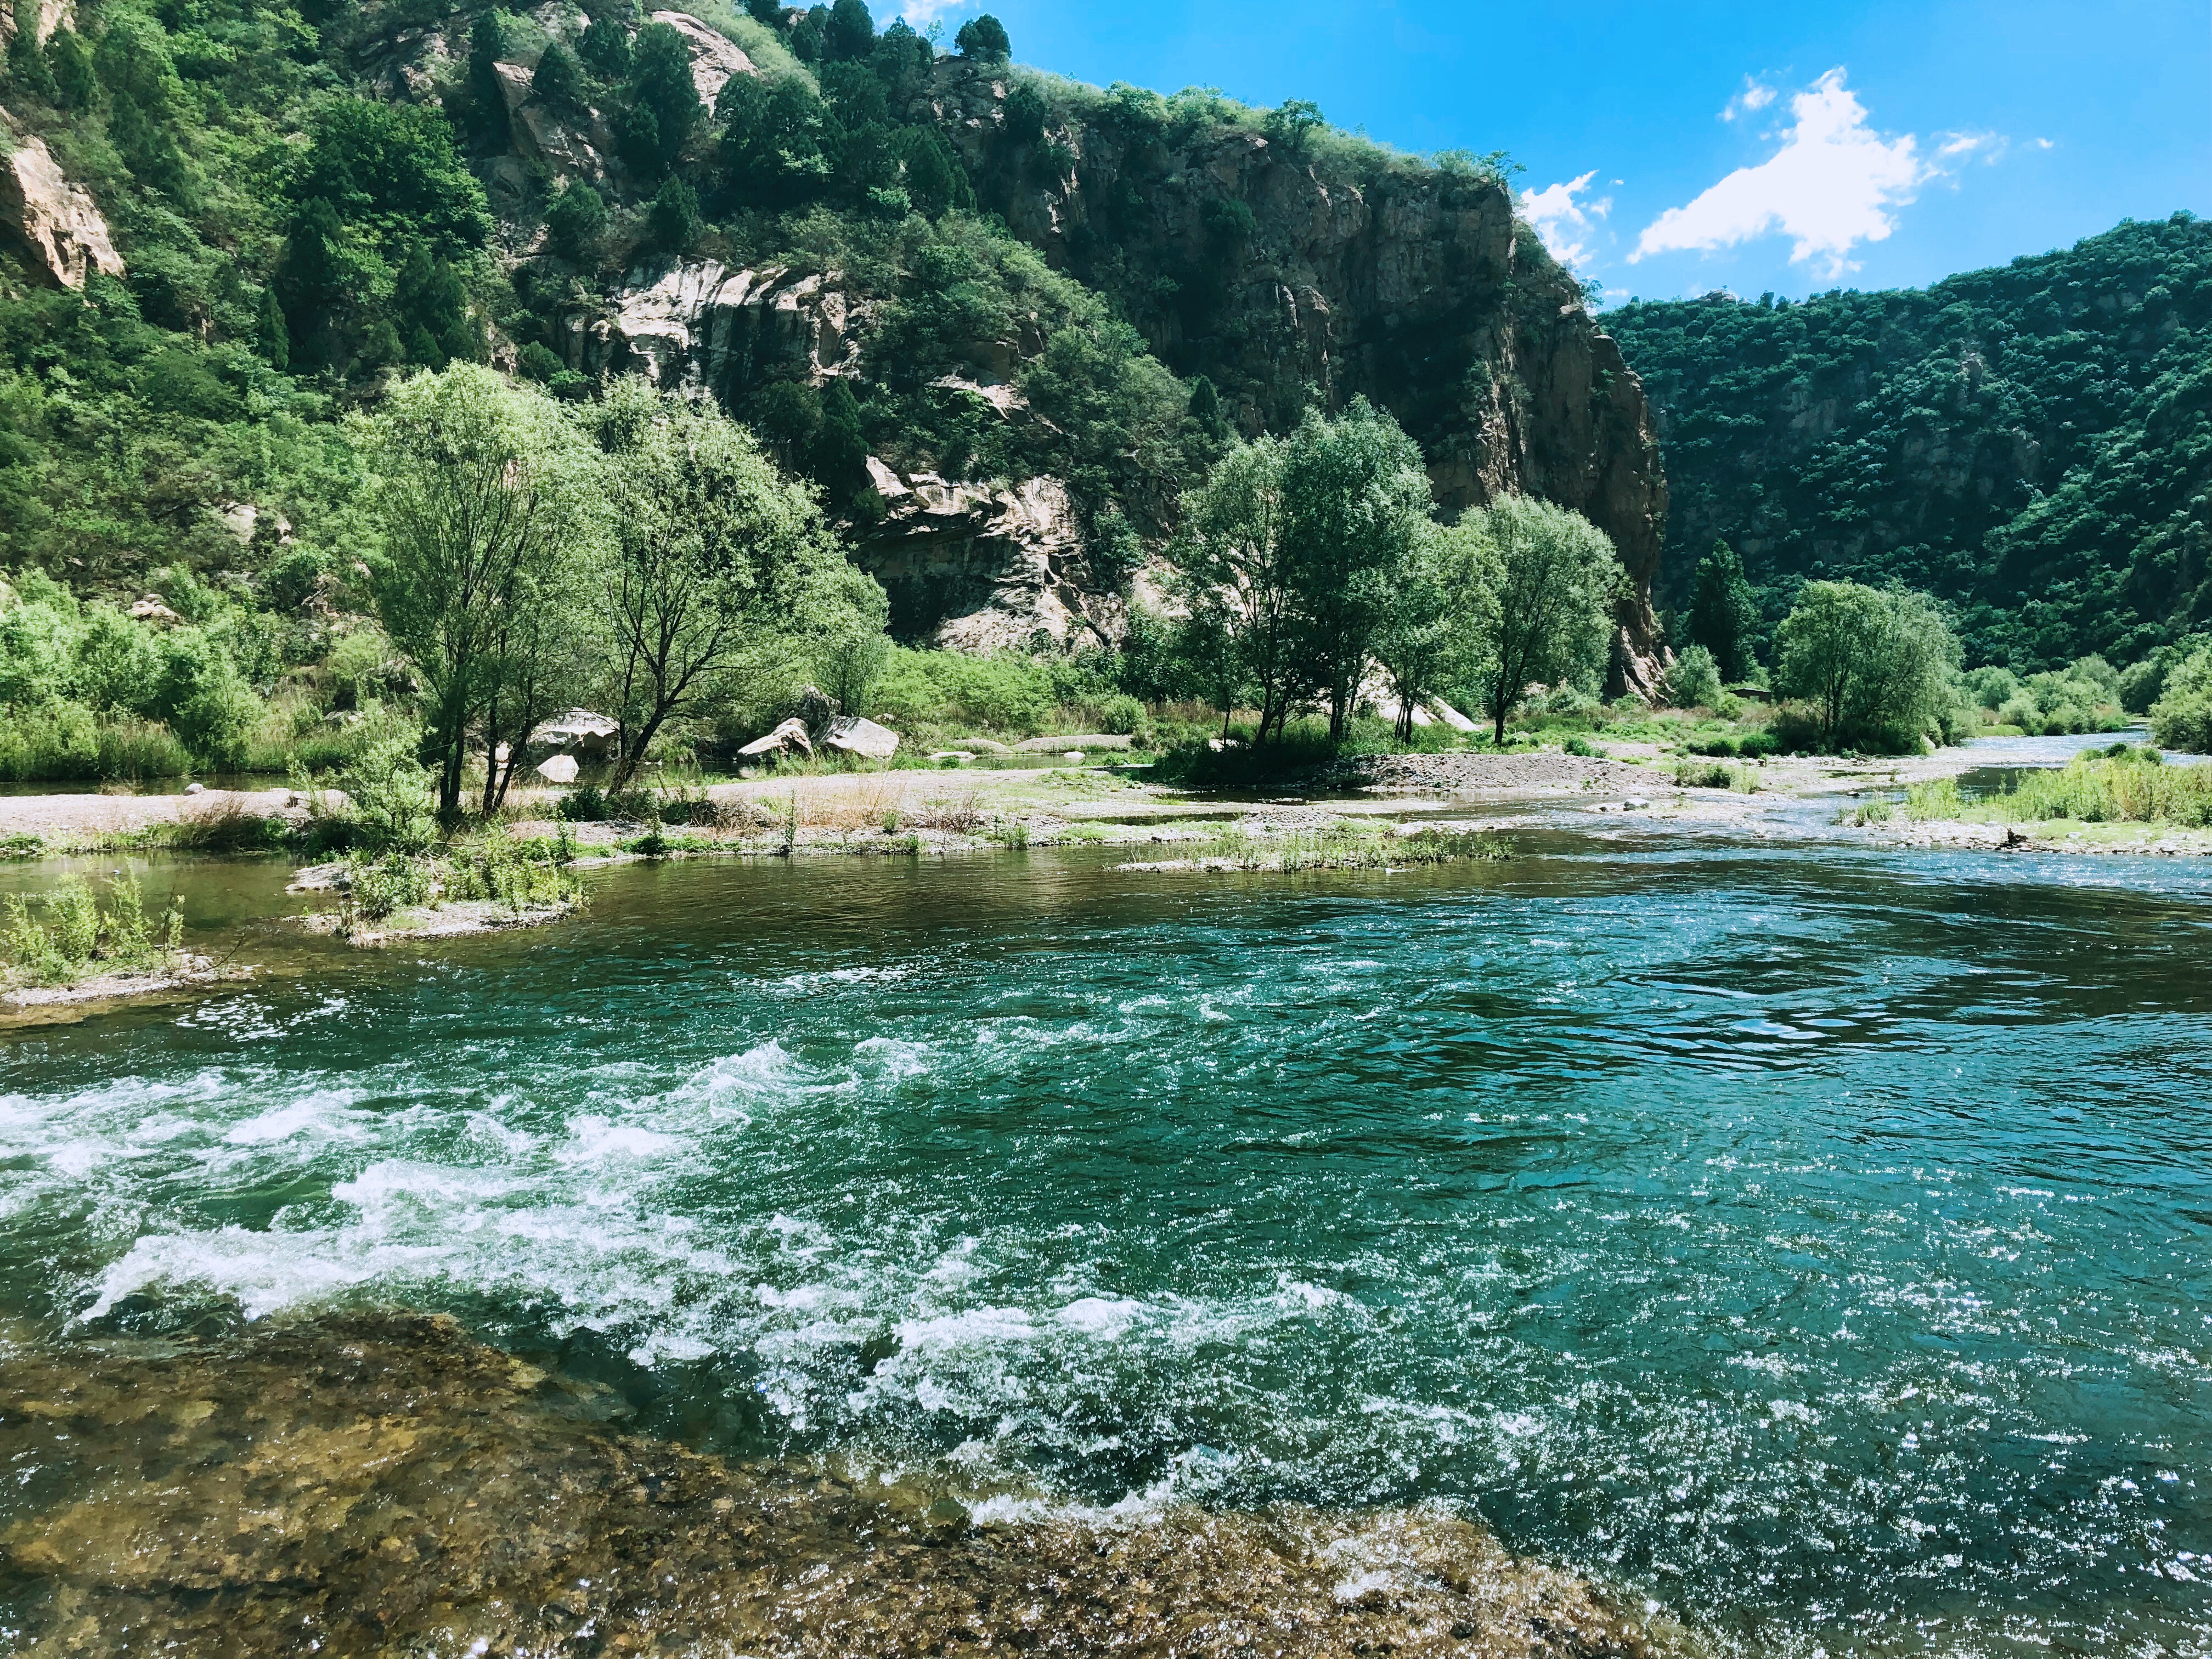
1251 264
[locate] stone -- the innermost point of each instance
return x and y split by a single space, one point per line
696 324
196 789
578 731
788 738
558 768
51 219
864 737
46 15
151 610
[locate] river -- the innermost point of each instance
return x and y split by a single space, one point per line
1809 1239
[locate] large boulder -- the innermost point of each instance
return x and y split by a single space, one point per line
864 737
580 732
788 738
48 219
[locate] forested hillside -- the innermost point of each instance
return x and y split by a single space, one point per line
1000 319
2031 443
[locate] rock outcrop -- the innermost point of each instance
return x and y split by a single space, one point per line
1269 273
47 15
48 221
698 323
982 567
714 57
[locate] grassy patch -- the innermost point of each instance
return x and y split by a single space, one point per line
2119 784
516 875
1348 844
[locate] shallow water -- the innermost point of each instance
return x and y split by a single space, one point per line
1810 1240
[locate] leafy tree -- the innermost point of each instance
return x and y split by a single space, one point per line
776 142
28 70
984 38
558 81
484 493
1355 505
603 48
1695 681
391 168
1291 127
1022 123
144 100
429 311
1239 584
713 550
1552 577
1724 613
489 38
672 223
851 32
70 66
840 458
575 222
2182 717
934 180
1878 665
1437 618
662 111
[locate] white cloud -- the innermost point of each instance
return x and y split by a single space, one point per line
1833 184
1565 223
1753 98
1959 146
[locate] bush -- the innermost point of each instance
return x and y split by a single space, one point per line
2182 717
1694 681
73 932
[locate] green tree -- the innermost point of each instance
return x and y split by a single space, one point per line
393 169
605 48
662 111
851 32
776 142
1724 613
934 180
483 491
1878 666
70 65
2182 717
1355 505
713 550
429 309
144 100
575 222
28 70
1238 584
1552 577
672 223
558 81
983 38
272 334
489 38
1431 620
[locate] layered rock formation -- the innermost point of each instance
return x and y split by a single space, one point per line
52 221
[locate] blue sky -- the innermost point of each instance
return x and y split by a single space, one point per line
1671 150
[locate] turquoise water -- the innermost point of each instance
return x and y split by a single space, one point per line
1811 1240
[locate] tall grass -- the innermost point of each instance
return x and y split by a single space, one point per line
2121 786
1349 844
67 743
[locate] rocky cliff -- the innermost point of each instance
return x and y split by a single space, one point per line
1282 276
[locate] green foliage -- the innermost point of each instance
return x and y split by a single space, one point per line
983 37
558 81
1877 666
1724 613
2069 394
2120 785
575 222
660 110
1552 578
73 935
1694 681
2182 716
672 223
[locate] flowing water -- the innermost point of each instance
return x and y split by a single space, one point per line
1808 1240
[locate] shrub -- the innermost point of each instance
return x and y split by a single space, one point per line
2182 717
73 932
1694 681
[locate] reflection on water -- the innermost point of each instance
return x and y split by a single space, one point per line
1812 1244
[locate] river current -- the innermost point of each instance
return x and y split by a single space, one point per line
1809 1240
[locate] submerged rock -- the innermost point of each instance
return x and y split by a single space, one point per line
383 1484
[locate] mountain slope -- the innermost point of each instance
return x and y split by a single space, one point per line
2033 443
